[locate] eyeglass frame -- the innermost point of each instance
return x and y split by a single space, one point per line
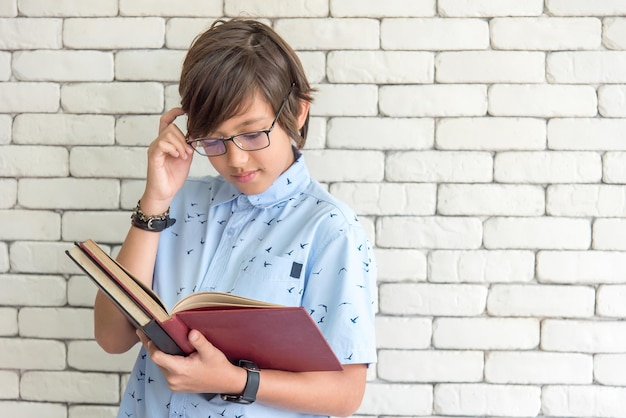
232 138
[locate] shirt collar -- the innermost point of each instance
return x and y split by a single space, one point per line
289 184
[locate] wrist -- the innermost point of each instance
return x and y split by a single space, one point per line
153 207
247 395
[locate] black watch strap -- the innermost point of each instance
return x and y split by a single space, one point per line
252 384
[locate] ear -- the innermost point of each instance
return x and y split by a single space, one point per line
303 113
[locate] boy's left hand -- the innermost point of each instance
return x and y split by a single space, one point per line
207 370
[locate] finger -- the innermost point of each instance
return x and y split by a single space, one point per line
169 117
199 342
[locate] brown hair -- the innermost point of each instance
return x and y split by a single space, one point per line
230 63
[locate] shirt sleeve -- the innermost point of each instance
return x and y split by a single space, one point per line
341 295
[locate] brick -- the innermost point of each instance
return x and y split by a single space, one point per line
436 167
586 67
21 409
539 232
529 300
122 97
9 386
430 366
41 257
376 9
585 8
486 333
434 34
112 33
387 198
614 33
4 257
180 32
612 101
63 65
88 356
610 369
91 411
105 226
29 354
381 133
542 100
586 200
402 332
63 129
22 33
8 8
401 265
134 130
614 171
131 192
608 234
5 66
428 232
30 225
490 199
538 368
345 100
481 266
6 122
314 64
68 386
343 165
148 65
112 162
39 8
583 336
586 134
41 162
490 67
68 193
489 8
29 97
62 323
32 290
397 399
434 100
8 193
592 401
380 67
610 300
8 321
168 9
306 8
81 291
491 134
545 33
326 34
483 400
581 267
432 299
172 97
547 167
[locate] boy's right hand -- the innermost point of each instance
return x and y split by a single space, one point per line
169 161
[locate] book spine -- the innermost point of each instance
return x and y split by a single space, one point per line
161 338
178 332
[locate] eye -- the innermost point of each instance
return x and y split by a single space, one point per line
252 136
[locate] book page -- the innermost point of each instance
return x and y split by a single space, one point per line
216 300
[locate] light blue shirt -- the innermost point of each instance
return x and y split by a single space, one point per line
293 244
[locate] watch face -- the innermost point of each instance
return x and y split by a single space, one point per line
248 365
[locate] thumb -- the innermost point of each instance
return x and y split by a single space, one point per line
199 341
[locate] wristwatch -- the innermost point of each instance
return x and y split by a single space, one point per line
252 384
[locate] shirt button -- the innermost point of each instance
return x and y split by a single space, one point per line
230 232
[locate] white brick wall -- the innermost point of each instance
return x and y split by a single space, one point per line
482 142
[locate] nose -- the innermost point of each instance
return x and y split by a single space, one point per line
235 155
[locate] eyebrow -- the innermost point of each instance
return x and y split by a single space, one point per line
240 128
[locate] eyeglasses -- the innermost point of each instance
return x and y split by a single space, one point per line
249 141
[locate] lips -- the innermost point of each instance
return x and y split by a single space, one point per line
246 177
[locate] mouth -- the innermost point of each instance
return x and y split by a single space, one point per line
245 177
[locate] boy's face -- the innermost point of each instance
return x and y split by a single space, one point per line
253 172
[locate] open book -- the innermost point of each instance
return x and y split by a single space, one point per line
273 336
